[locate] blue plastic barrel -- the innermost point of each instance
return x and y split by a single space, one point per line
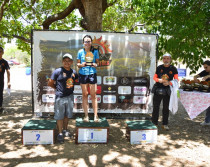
28 70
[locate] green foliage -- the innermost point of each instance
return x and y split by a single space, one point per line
183 27
14 53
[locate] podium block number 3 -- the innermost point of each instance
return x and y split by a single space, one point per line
37 137
143 136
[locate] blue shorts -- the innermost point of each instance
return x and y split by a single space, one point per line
63 107
88 79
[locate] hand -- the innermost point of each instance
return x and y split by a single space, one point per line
206 77
160 80
166 83
9 85
94 65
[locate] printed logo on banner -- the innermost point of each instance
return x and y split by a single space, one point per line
109 80
48 98
98 91
98 80
48 88
139 99
109 99
109 89
125 99
140 81
77 98
77 89
141 90
124 90
98 99
124 81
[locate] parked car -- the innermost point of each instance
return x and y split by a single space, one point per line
10 63
15 62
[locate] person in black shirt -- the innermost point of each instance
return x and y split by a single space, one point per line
3 66
62 80
164 74
205 73
206 77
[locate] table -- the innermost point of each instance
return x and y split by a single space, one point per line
194 102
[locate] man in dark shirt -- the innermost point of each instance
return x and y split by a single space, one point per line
206 77
205 73
164 74
63 80
3 66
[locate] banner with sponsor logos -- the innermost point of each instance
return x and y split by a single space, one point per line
127 63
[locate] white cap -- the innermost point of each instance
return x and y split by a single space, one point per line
68 55
166 54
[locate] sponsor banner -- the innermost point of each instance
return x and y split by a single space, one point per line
110 89
77 99
110 80
48 98
140 81
124 90
109 99
141 90
98 91
48 89
124 81
77 89
120 66
98 80
139 99
125 99
97 96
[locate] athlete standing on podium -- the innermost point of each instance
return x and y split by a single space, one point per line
62 80
87 61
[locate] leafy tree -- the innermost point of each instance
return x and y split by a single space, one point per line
182 25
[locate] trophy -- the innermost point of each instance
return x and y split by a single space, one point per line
89 59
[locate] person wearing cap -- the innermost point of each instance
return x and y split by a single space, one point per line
164 74
62 80
4 66
206 77
87 61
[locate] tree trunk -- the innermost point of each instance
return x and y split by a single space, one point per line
93 15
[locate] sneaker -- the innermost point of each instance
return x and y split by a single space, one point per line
60 138
165 127
86 119
66 133
96 119
205 124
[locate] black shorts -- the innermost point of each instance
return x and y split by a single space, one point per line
88 79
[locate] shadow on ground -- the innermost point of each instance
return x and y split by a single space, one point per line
186 144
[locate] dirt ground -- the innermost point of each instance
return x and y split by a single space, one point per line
186 144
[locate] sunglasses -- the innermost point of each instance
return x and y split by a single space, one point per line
87 41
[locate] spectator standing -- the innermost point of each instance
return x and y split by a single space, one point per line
164 74
4 66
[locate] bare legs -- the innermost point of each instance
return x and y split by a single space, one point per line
62 124
93 89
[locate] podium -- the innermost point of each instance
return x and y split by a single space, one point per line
92 132
141 132
37 132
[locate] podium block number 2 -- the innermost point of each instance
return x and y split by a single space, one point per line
37 137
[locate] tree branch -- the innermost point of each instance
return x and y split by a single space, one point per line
18 37
46 24
2 8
